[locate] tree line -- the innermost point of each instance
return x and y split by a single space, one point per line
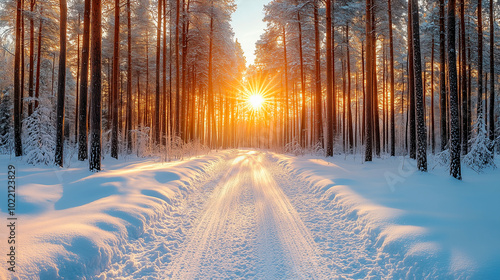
150 77
398 81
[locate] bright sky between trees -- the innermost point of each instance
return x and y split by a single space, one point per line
248 25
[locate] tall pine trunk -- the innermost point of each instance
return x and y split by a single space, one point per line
329 81
84 72
95 88
492 76
455 168
39 60
411 85
442 79
391 58
61 85
129 80
17 84
419 94
480 111
115 81
318 119
463 81
31 59
369 82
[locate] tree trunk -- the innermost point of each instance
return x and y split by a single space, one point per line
318 122
463 81
32 59
177 66
452 68
39 60
419 95
329 82
77 78
82 116
433 136
287 137
348 101
369 81
303 87
411 86
115 80
442 79
61 86
129 81
164 126
95 88
492 77
480 112
17 84
391 54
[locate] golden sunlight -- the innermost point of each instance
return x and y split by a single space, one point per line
256 101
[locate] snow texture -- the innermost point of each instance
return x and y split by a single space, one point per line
252 214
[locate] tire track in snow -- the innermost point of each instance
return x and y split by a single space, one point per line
249 229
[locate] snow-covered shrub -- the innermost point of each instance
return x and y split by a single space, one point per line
143 141
480 155
443 158
294 148
6 131
318 150
39 133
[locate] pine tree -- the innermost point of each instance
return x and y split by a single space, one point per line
391 54
115 81
329 81
84 72
61 86
492 78
17 84
455 167
442 78
95 88
419 95
369 80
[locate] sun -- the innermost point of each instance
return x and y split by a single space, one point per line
256 101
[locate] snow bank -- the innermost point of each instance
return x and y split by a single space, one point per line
434 225
72 223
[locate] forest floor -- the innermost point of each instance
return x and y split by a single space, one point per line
247 214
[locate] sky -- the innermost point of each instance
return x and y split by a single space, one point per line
248 25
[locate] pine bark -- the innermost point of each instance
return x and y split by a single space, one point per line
84 71
95 88
391 61
31 60
463 81
115 81
480 111
492 76
442 79
129 80
329 82
455 167
318 118
411 86
61 85
39 60
18 145
369 82
419 94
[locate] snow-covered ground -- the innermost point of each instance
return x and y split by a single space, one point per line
253 214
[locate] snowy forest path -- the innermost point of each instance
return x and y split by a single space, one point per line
248 229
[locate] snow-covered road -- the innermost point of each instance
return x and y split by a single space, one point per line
248 229
244 214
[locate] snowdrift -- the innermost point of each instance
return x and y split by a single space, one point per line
434 225
72 223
